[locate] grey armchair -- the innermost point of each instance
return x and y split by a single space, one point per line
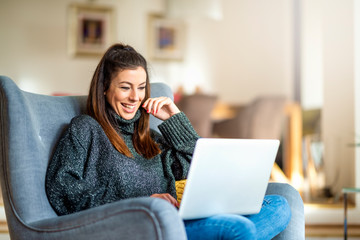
30 126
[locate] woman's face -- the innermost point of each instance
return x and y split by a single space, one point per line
127 91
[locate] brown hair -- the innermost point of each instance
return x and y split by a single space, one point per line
117 58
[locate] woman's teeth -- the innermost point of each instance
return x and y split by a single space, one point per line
129 106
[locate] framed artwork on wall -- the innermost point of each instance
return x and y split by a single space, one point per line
90 29
166 38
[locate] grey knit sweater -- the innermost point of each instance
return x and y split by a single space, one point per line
87 171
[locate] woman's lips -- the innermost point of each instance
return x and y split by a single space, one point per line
129 107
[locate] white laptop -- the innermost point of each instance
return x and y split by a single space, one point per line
228 176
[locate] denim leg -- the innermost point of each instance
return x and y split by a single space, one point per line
221 227
273 218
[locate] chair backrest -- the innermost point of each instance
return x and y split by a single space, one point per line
198 108
31 125
265 118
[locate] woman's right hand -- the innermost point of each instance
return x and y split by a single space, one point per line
161 107
168 198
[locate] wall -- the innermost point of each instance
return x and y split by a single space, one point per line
33 43
246 54
339 79
249 52
312 54
341 84
328 81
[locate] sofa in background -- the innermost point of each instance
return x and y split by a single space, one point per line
30 126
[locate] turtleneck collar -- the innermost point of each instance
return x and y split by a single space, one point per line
126 126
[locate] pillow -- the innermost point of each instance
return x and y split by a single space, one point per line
180 185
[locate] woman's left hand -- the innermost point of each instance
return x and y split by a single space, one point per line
168 198
161 107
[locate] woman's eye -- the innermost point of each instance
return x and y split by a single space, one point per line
141 88
125 88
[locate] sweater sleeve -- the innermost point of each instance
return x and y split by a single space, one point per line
179 143
70 184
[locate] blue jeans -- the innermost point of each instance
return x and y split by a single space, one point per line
273 218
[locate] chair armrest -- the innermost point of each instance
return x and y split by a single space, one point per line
296 227
138 218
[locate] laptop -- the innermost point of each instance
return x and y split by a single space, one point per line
228 176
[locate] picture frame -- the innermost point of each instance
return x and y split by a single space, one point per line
166 38
90 29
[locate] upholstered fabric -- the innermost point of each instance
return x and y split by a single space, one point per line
296 228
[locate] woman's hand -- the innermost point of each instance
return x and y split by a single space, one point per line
168 198
161 107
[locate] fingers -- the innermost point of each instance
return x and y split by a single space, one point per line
153 105
167 197
162 107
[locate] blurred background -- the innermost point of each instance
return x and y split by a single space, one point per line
286 69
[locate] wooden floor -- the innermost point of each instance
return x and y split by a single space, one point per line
3 227
312 231
331 231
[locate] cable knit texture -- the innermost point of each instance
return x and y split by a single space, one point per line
87 171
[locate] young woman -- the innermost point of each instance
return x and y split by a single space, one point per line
111 153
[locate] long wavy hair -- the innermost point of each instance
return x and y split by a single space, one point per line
117 58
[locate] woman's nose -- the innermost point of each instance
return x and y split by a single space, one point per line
134 95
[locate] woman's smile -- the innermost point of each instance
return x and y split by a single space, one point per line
129 107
